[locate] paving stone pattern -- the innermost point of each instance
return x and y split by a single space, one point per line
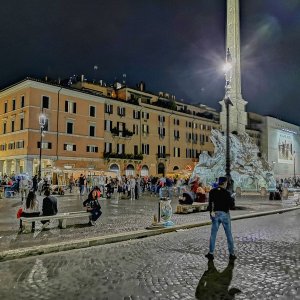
118 216
168 266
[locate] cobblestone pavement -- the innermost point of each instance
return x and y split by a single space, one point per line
118 216
169 266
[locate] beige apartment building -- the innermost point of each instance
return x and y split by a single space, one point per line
92 128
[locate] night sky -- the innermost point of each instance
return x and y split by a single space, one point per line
173 46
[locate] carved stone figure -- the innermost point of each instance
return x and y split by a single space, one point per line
248 170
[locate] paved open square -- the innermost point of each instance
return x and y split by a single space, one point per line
169 266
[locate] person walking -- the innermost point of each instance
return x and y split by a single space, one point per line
220 202
81 184
35 183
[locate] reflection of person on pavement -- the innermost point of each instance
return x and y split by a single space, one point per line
215 285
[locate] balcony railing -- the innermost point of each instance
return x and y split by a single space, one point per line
162 155
121 133
108 155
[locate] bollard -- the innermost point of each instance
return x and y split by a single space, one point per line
263 192
285 193
238 191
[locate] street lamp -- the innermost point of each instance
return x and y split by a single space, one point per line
42 122
295 167
228 76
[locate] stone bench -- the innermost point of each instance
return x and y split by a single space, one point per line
189 208
61 217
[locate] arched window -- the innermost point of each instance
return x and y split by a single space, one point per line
114 168
145 171
129 170
161 169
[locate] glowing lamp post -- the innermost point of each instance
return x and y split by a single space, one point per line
42 122
228 76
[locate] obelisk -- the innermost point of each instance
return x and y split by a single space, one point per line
238 115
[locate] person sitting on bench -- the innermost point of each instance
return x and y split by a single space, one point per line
49 207
30 209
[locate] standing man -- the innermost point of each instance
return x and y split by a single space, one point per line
81 184
35 183
220 202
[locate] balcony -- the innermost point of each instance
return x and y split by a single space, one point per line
121 133
162 156
108 155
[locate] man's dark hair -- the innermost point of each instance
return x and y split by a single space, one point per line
47 192
222 179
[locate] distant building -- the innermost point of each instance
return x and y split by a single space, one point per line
279 142
93 127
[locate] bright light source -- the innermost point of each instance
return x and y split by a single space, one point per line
42 119
227 67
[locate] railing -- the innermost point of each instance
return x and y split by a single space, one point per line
121 133
162 155
108 155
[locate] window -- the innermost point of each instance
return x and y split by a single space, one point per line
70 107
161 131
195 138
108 147
135 129
70 127
176 121
145 128
188 153
5 107
136 149
4 127
145 149
45 145
92 111
21 123
3 147
12 125
22 101
92 130
145 115
92 149
107 125
136 114
19 144
69 147
14 104
121 111
45 102
108 108
11 145
120 148
161 150
176 152
202 139
176 135
161 119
